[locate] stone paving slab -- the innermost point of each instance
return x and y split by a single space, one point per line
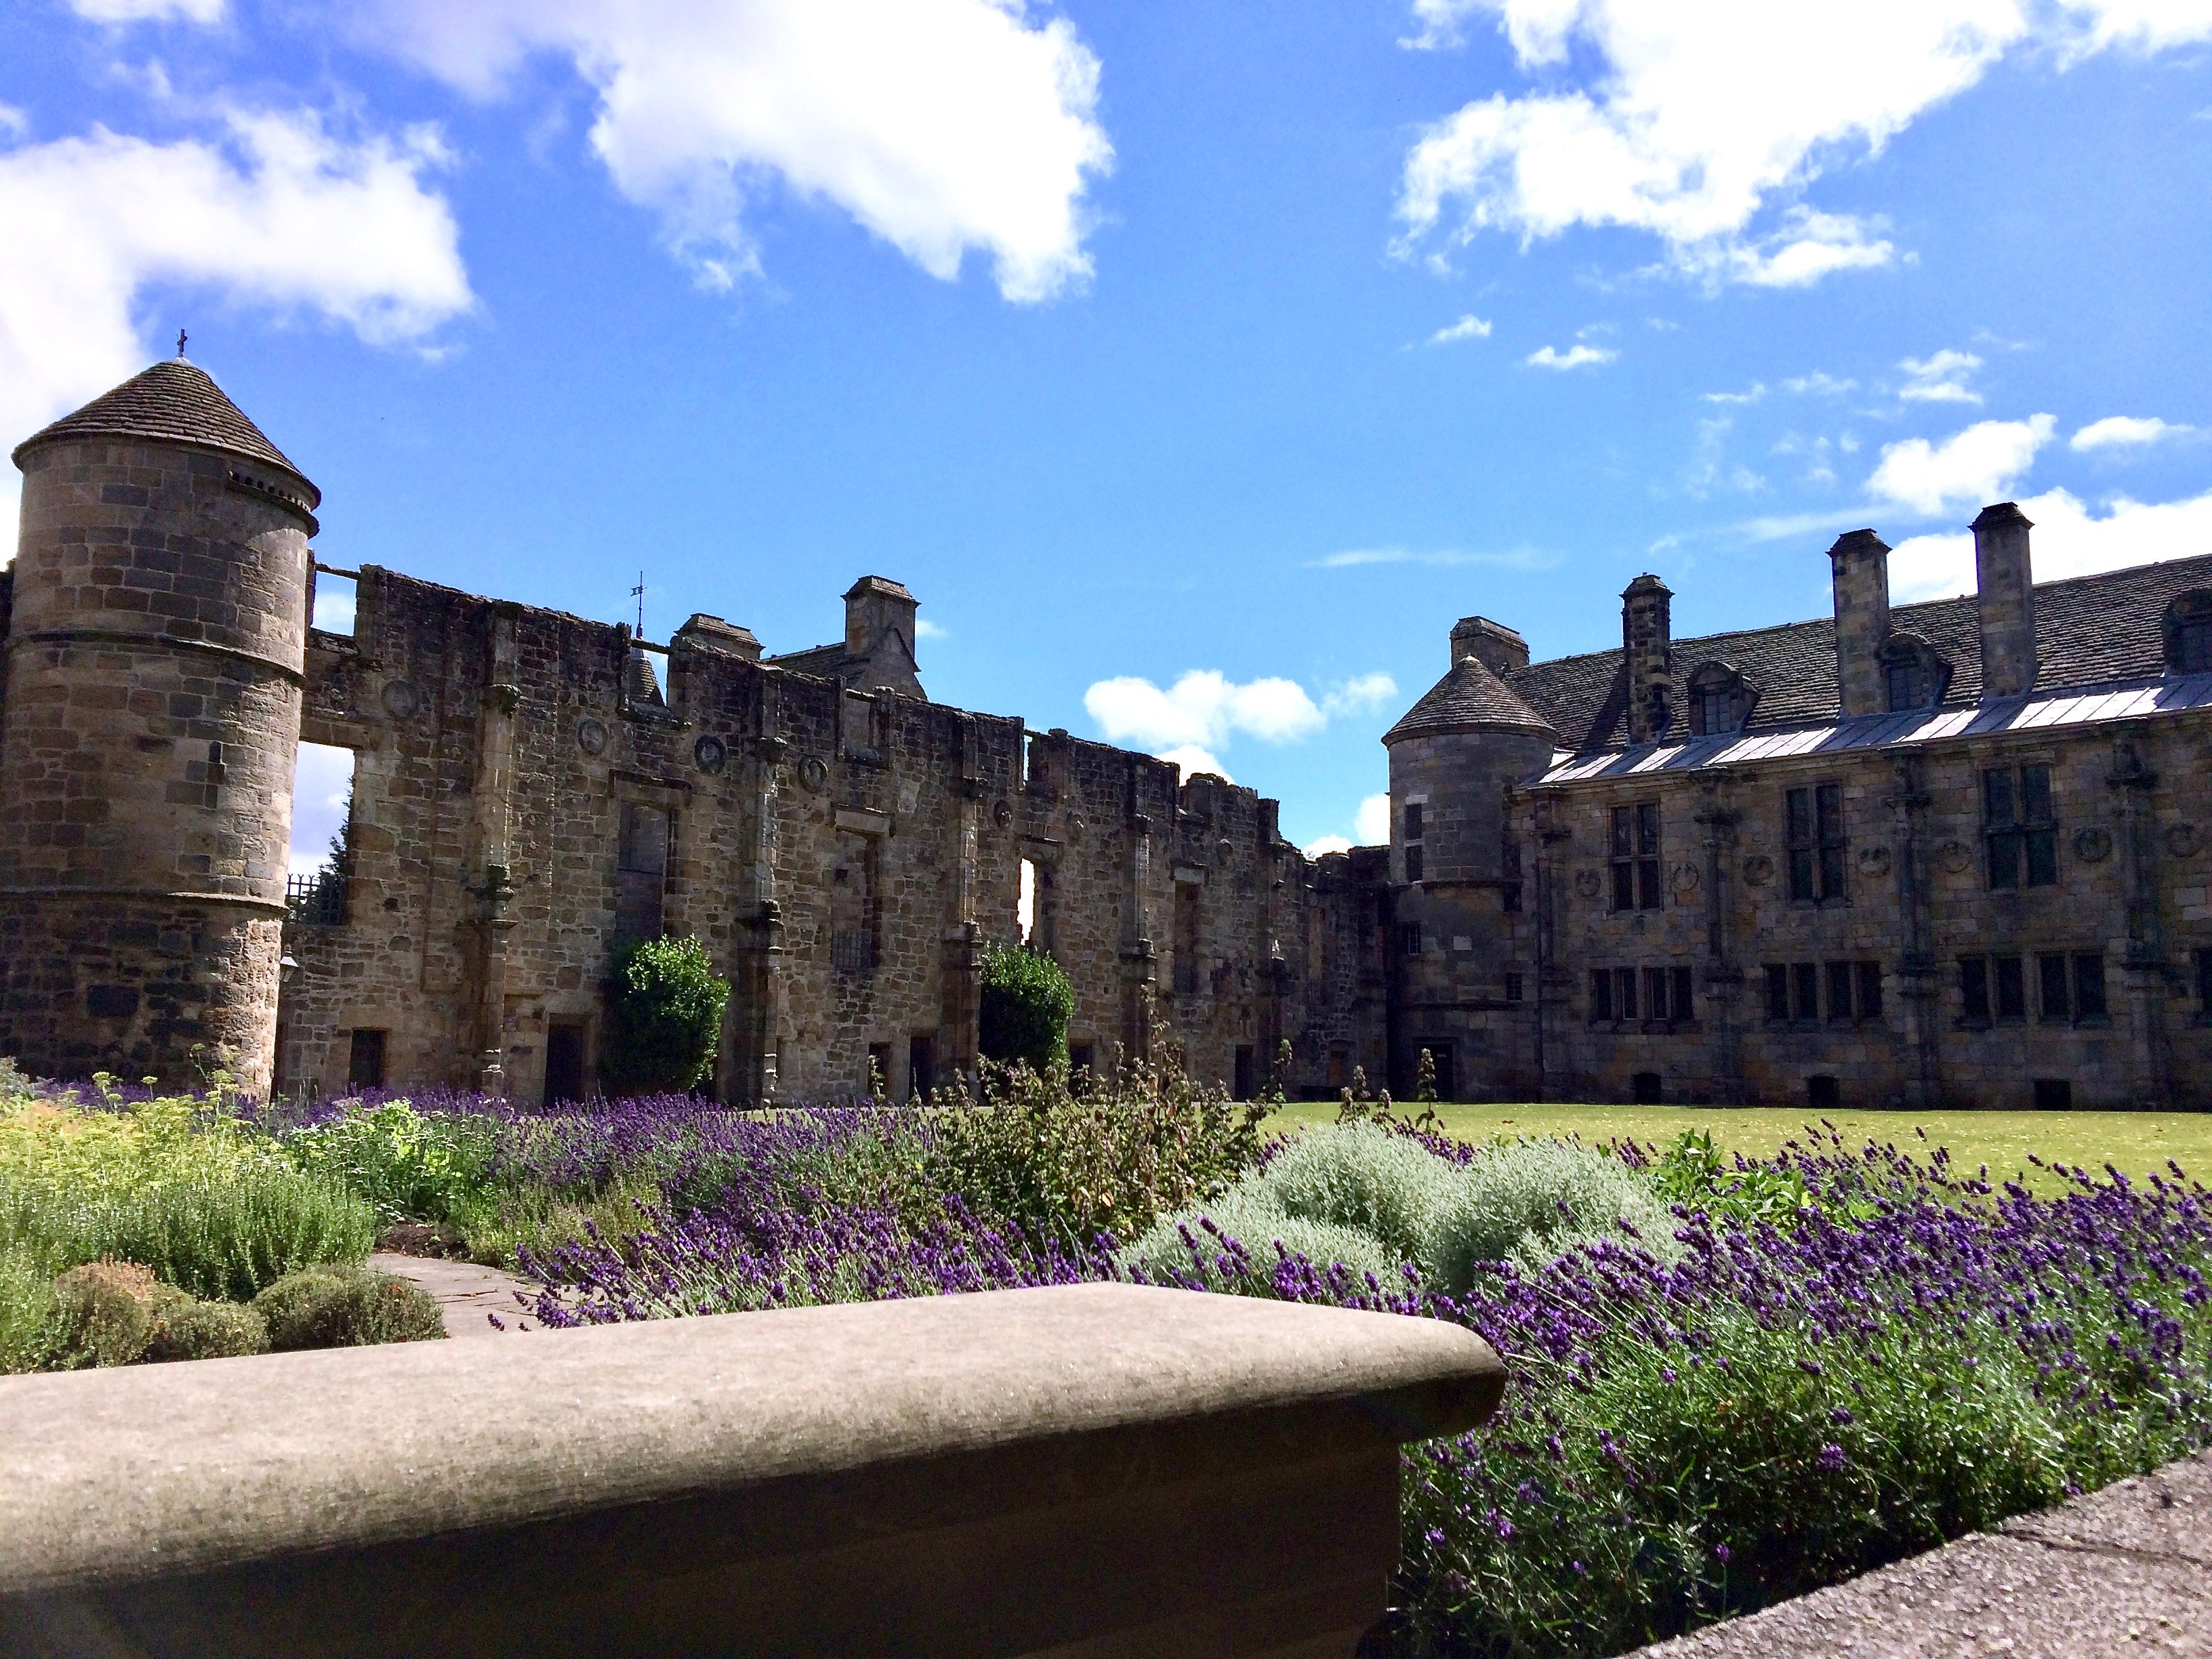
2126 1571
465 1292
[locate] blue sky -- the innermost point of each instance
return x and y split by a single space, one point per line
1196 366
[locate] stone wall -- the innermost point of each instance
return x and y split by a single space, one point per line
2133 838
844 855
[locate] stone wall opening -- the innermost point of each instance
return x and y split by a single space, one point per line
642 872
336 602
322 812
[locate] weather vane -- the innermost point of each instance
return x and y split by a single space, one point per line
638 594
181 338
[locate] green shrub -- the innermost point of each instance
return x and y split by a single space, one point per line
192 1329
410 1167
1060 1165
1360 1174
14 1085
1026 1004
106 1313
26 1309
1248 1214
664 1018
1529 1200
344 1307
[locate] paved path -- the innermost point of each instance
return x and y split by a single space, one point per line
2124 1570
465 1291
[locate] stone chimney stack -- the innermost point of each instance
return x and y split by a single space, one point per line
880 642
1647 654
1495 646
2005 595
1860 568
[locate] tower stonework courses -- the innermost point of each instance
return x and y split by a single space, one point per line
1950 854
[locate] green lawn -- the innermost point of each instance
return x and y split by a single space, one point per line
2133 1142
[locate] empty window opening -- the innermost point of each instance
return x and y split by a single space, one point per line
336 603
1824 1093
879 1083
1415 867
365 1061
1187 973
641 873
854 908
922 1063
1412 820
1246 1085
2054 1094
1508 865
1082 1062
1037 907
564 1062
1513 987
1646 1089
322 835
1441 1057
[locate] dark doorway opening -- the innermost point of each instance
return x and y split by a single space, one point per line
922 1064
564 1063
365 1061
1244 1072
1441 1057
1824 1093
2053 1094
1645 1088
879 1074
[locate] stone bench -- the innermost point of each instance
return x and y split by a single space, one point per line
1084 1470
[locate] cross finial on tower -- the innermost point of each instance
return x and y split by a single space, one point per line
638 594
181 338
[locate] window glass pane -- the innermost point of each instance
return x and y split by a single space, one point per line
1624 886
1800 816
1801 873
1413 822
2203 979
1830 797
1647 827
1840 990
1904 685
2012 989
1831 872
2089 987
1413 862
2042 858
2004 860
1621 847
1974 986
1805 977
1683 1006
1624 991
1869 999
1655 993
2035 794
1996 797
1647 885
1600 993
2051 987
1778 987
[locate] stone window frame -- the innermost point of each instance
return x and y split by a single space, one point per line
2185 632
2018 840
1992 990
1622 997
1816 842
2200 961
1719 685
1635 851
1806 993
1931 675
2083 992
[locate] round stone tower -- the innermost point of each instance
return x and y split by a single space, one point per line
150 724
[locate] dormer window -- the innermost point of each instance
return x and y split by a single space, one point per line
1912 674
2189 634
1719 701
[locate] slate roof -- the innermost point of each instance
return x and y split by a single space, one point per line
2089 630
826 661
175 402
1470 698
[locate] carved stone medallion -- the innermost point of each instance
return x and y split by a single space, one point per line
712 753
814 775
401 700
1874 861
1955 856
591 734
1002 814
1758 870
2092 845
2185 841
1685 878
1587 883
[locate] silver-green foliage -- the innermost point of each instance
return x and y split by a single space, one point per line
1183 1247
1527 1201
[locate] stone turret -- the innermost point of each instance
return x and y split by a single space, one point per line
153 675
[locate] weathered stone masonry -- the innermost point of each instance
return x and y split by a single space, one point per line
531 788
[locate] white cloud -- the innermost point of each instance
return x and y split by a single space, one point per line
1940 378
1757 389
1314 849
2069 539
1360 695
1520 558
148 11
282 215
336 607
1190 759
1581 356
943 126
1204 708
2127 432
1690 120
1469 327
1372 824
1818 384
926 629
320 784
1970 468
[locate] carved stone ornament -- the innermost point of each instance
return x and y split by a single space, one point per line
814 775
1955 856
1225 850
2092 845
1685 878
2185 841
1002 814
1587 883
401 700
1076 826
1874 861
712 753
1758 870
591 734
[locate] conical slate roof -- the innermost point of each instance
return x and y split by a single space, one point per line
173 402
1468 699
